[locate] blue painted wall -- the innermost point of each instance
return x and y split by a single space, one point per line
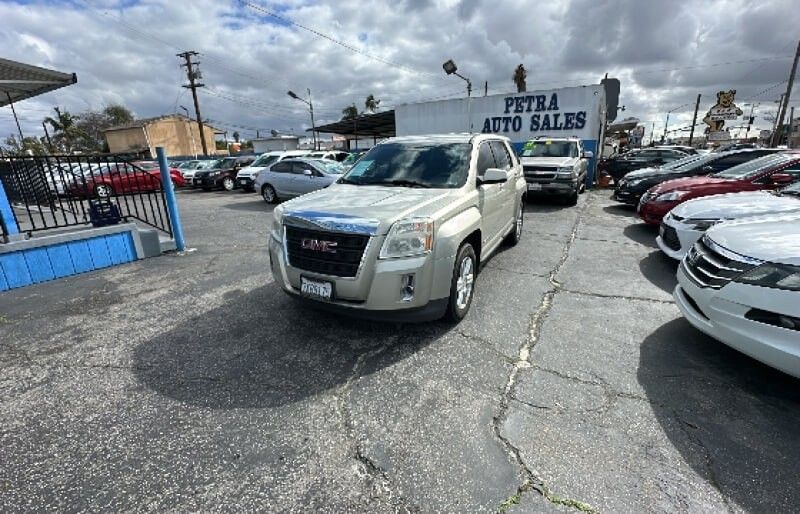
34 265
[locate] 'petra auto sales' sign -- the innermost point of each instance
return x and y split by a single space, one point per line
574 111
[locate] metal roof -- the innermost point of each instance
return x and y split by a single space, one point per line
19 81
380 124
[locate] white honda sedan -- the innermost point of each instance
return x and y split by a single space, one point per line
687 222
740 284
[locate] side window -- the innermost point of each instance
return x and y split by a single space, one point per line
501 155
298 167
282 167
723 163
485 159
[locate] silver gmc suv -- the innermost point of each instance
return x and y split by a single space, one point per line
401 234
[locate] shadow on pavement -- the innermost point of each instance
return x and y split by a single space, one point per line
261 349
734 420
642 233
256 205
660 270
621 209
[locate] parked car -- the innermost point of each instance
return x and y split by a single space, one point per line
189 171
772 171
402 233
222 174
687 222
636 183
331 155
688 150
620 165
121 178
556 166
295 177
247 175
740 284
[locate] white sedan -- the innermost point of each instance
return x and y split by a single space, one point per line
687 222
740 284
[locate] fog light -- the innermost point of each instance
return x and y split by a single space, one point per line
407 288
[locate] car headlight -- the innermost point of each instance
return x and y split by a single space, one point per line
671 196
407 238
567 171
633 182
702 224
277 221
780 276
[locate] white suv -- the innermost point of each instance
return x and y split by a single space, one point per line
556 166
247 176
740 284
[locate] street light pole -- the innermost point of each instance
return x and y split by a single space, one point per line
311 108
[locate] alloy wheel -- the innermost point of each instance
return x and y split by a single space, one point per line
466 278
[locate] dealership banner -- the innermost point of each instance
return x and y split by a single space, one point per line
566 112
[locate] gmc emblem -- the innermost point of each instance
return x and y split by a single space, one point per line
318 246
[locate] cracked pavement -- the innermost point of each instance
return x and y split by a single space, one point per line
192 383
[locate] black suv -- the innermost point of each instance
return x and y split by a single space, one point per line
222 174
618 166
633 185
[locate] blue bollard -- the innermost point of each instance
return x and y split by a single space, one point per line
7 217
172 201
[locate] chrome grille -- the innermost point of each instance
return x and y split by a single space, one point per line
540 172
710 265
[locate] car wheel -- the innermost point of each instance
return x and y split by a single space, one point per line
573 198
514 237
268 193
228 184
462 286
103 190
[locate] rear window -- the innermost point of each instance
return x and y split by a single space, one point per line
754 167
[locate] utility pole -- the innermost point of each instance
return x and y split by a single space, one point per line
791 127
193 73
313 126
772 142
694 119
486 88
749 121
779 129
47 136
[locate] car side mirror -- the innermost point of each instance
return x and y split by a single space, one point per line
308 173
781 179
587 154
493 176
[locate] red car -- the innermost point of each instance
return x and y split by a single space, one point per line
122 178
769 172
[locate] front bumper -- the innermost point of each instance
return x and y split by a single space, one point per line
245 182
625 196
720 313
552 186
375 291
653 212
687 237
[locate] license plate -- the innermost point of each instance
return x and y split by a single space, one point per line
316 289
534 187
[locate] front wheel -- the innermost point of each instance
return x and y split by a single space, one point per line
268 193
514 237
228 184
462 286
572 199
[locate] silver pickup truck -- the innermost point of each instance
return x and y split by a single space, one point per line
401 235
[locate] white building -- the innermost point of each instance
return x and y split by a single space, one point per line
273 143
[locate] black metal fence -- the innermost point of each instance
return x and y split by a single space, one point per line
54 191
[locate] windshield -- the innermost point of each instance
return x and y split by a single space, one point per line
793 190
329 167
687 163
264 161
754 167
440 165
353 157
547 148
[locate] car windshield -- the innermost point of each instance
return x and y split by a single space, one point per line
352 158
754 167
264 161
548 148
329 167
687 163
440 165
204 165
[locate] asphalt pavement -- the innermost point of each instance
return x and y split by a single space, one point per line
191 382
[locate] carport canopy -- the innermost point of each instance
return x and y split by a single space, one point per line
378 125
19 81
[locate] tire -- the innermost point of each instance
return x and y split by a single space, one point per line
514 237
572 199
462 284
103 191
268 194
228 184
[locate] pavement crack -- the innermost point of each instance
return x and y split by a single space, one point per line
380 485
530 478
617 297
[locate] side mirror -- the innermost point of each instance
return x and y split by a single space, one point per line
781 179
493 176
308 173
588 154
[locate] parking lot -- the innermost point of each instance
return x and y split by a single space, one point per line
191 382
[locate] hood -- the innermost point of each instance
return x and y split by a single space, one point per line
645 173
737 205
769 238
250 170
687 184
549 161
368 209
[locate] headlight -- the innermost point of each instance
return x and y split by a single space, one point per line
568 171
702 224
671 196
780 276
407 238
633 182
277 219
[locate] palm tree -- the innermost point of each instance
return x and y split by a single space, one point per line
350 112
371 104
519 78
63 126
236 136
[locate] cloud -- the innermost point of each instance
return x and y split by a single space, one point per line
124 52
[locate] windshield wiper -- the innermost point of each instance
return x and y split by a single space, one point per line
401 183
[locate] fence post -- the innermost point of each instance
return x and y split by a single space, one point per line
172 202
7 217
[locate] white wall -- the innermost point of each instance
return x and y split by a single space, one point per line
270 144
